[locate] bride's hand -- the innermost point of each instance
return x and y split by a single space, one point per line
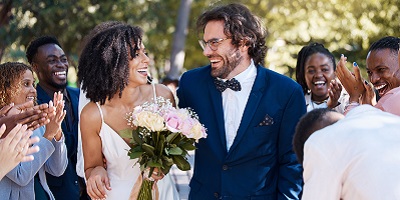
157 174
98 183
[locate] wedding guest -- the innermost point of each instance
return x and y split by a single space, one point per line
315 72
16 147
383 71
50 63
355 158
250 113
113 72
27 180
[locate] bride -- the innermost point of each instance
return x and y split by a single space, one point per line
112 70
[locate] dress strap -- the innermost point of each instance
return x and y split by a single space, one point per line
154 92
101 112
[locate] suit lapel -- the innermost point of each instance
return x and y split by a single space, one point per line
216 99
251 106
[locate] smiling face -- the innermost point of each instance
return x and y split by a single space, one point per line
51 65
26 88
227 60
383 70
138 67
319 72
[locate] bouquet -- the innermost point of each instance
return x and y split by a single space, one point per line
162 137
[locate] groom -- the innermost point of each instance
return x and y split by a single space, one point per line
250 113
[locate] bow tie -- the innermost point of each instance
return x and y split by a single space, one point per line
233 84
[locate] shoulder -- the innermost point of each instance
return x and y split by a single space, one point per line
90 115
199 72
73 90
164 91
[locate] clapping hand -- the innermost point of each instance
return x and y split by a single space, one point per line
335 89
53 128
353 83
16 147
26 113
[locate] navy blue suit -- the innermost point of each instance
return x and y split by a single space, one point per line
260 163
66 186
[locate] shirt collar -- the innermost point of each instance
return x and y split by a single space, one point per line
245 76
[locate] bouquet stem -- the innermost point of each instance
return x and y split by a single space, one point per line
145 192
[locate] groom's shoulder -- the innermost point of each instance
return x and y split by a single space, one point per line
203 71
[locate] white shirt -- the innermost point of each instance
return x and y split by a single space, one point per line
234 102
357 158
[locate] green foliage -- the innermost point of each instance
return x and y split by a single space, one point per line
343 26
159 149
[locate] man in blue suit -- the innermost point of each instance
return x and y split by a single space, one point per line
50 63
250 113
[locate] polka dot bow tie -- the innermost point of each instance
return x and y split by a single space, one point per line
233 84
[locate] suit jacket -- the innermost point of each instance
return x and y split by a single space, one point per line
357 158
52 158
260 163
66 186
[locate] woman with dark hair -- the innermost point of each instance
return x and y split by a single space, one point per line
113 71
27 180
315 72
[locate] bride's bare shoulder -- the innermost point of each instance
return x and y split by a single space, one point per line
90 114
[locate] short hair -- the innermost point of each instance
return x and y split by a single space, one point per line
10 73
388 42
34 45
103 67
302 57
240 24
307 125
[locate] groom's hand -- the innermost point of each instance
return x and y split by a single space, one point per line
98 183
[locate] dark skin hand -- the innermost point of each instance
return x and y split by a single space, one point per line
26 113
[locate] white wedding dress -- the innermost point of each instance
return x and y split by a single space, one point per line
122 171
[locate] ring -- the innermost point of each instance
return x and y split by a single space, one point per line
17 150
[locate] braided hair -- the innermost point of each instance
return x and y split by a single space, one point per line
305 53
103 69
11 73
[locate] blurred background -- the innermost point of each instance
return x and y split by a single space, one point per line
343 26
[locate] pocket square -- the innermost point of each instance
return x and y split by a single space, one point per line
268 120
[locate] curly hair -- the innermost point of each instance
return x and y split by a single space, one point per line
11 73
103 69
388 42
304 54
239 24
34 45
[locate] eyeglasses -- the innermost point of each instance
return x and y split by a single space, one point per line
213 43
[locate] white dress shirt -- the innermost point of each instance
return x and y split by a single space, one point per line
357 158
234 102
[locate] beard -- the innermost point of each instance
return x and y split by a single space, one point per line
231 61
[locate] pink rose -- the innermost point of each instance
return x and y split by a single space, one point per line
173 122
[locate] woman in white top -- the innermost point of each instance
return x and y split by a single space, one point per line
315 72
113 70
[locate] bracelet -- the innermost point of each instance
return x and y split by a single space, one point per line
350 106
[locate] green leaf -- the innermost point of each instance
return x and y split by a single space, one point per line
148 149
181 163
136 137
136 154
171 137
126 133
153 163
175 151
188 146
